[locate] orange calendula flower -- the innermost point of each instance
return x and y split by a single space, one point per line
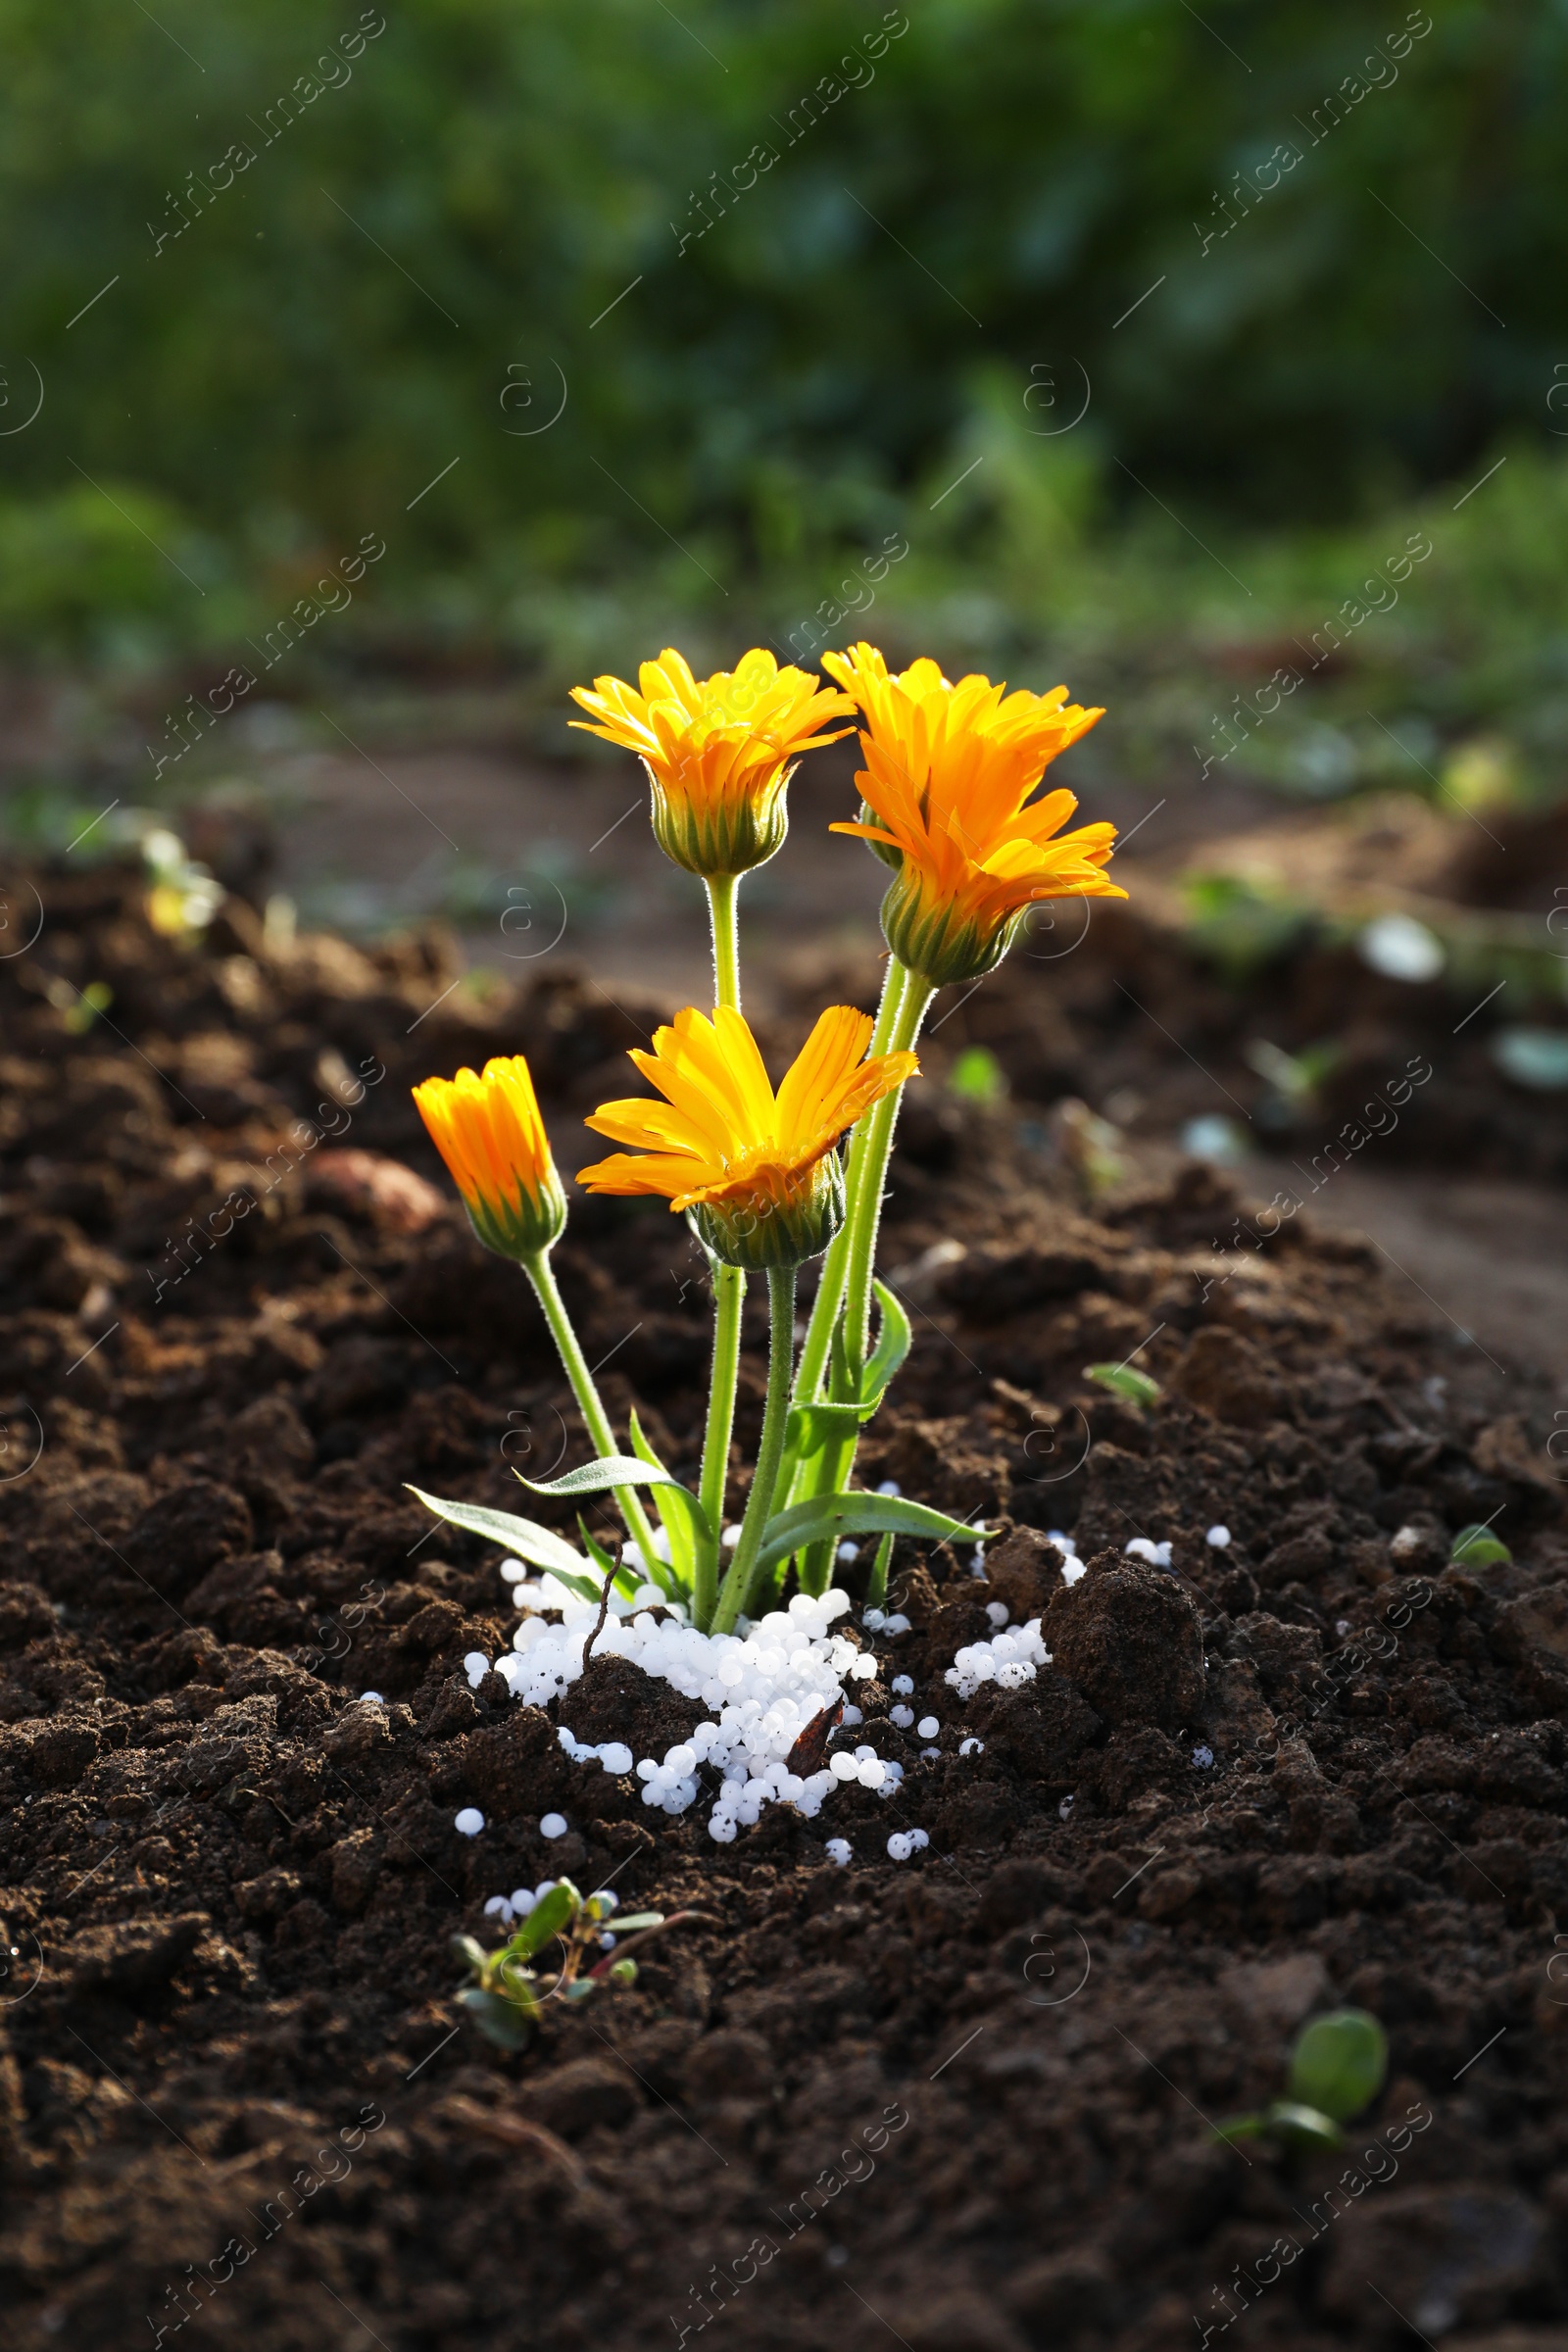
719 751
489 1132
948 771
756 1169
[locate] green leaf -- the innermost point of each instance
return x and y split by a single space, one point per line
502 2021
474 1953
596 1478
539 1545
583 1989
892 1342
1478 1547
1134 1387
637 1919
595 1550
690 1531
553 1912
813 1426
622 1971
855 1515
810 1427
1339 2063
839 1385
675 1522
876 1590
627 1580
641 1447
1306 2127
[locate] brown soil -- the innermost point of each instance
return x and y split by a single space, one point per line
963 2102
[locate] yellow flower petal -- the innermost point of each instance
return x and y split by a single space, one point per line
721 1134
948 771
489 1132
719 751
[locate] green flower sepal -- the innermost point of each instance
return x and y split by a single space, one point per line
943 943
759 1231
524 1226
733 833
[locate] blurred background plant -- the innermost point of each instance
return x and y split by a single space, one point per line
465 251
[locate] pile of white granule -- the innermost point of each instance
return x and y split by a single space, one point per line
1008 1660
761 1689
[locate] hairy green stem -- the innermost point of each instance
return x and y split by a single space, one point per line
905 1000
541 1274
736 1592
721 894
865 1212
830 1289
729 1285
729 1297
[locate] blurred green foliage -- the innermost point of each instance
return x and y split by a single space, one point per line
979 216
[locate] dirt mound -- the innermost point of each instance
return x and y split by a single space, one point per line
966 2097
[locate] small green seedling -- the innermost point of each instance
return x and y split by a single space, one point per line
1295 1077
1136 1389
1336 2069
977 1076
507 1998
1478 1547
83 1010
1088 1143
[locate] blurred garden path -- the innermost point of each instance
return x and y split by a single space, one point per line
528 859
533 860
375 828
1486 1254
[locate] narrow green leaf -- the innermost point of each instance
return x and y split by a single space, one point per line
581 1990
586 1587
676 1524
811 1426
641 1447
690 1530
632 1919
627 1580
839 1386
594 1548
876 1590
893 1342
596 1478
1339 2063
539 1545
855 1515
474 1953
549 1916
